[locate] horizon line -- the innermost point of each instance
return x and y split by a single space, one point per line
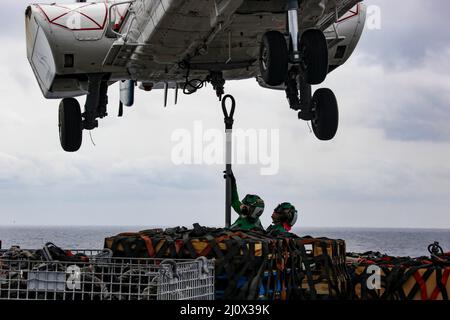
165 227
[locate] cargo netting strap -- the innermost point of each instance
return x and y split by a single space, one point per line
403 278
250 264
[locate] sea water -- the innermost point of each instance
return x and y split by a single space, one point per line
396 242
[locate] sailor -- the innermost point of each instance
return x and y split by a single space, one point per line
283 219
249 210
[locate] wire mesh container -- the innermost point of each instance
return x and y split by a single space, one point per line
103 277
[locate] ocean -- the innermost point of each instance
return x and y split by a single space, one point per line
395 242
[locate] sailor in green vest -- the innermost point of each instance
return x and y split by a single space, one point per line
283 219
249 210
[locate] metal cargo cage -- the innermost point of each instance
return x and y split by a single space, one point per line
103 277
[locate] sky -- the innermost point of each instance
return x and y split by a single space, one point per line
389 165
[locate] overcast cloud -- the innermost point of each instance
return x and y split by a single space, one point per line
389 165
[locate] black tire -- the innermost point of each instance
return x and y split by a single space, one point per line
314 48
326 120
70 125
274 58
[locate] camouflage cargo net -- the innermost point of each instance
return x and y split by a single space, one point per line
401 278
250 265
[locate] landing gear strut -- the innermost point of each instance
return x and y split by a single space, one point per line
308 50
298 66
72 121
96 102
321 108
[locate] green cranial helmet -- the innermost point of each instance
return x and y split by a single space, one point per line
285 213
254 204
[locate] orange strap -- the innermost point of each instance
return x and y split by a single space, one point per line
179 245
149 245
205 251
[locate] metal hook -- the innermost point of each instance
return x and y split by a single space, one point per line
435 249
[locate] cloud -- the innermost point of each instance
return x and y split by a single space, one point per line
409 104
12 17
410 29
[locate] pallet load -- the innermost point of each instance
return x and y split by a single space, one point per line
401 278
52 273
249 265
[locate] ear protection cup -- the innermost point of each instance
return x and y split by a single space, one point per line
255 204
285 213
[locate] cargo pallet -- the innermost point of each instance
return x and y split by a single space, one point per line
103 277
